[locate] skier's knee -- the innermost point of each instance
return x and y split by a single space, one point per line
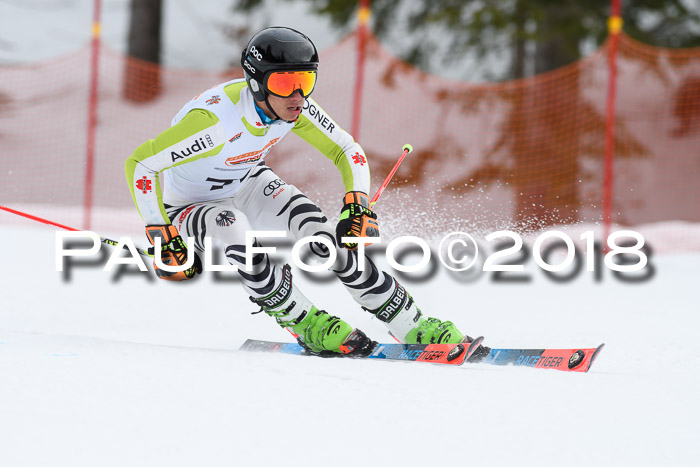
317 249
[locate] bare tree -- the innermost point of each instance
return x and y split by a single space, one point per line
142 80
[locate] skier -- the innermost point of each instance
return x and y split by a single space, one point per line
216 184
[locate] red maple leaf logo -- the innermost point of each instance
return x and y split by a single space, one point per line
258 124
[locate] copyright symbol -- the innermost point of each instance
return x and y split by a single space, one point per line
461 250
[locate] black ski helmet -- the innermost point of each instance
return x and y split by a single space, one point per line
276 49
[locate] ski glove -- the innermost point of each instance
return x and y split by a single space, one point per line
356 219
173 253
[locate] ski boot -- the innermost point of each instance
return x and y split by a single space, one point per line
316 330
434 331
330 336
407 324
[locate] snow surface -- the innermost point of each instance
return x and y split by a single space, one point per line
139 372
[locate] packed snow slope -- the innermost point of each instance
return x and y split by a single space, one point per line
96 371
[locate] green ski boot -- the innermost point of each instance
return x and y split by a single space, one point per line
320 331
316 330
434 331
407 324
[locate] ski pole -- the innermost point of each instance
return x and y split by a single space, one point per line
106 241
407 148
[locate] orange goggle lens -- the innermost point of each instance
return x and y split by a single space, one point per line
284 83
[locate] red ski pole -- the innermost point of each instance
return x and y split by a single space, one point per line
407 148
106 241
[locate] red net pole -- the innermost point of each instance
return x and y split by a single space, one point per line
92 116
363 18
614 27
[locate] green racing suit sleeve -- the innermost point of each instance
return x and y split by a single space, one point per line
316 128
199 134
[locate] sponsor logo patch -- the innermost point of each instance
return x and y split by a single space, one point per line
183 214
254 52
251 156
394 305
282 292
431 355
144 184
225 219
540 362
359 159
272 186
198 146
315 114
213 100
249 67
422 355
243 161
235 137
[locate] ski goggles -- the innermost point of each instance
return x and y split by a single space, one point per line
285 83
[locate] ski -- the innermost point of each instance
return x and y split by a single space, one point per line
579 360
448 354
575 360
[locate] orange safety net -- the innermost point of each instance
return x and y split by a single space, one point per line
523 154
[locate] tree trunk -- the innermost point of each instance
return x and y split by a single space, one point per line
142 79
519 51
557 46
